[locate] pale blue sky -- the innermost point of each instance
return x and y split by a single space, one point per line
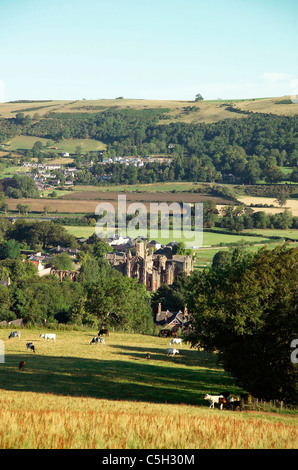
156 49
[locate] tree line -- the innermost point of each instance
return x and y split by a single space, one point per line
249 149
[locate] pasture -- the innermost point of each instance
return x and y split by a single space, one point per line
208 239
182 111
75 395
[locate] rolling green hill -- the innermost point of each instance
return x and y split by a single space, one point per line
179 111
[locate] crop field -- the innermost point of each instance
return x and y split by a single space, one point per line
108 396
87 201
291 205
146 197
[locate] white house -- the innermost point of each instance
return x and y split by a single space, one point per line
117 240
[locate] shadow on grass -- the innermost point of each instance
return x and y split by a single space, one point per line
187 357
113 379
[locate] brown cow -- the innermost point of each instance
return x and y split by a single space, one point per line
165 333
103 331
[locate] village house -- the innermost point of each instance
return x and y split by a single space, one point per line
174 320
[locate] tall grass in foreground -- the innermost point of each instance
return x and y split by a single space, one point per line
75 395
44 421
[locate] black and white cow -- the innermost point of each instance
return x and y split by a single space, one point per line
30 346
97 339
15 334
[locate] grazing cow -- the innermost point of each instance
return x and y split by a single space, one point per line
22 365
165 333
48 336
30 346
103 331
97 339
212 399
14 334
235 404
175 341
172 352
148 356
223 403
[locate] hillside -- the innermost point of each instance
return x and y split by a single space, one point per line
178 111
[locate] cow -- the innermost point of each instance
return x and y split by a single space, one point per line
165 333
48 336
22 365
148 356
175 341
212 399
103 331
30 346
172 352
97 339
223 402
14 334
235 405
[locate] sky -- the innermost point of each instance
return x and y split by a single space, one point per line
148 49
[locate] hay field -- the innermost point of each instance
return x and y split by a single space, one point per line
54 205
73 395
292 204
269 106
204 111
9 110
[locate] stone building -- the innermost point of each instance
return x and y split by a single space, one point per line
151 269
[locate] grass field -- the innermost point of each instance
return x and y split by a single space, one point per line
76 395
87 145
67 145
25 142
208 237
204 256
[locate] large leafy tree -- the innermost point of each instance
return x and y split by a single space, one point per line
121 301
247 311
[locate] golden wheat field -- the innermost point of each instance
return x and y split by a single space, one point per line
73 395
45 421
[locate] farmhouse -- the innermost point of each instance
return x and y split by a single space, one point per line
150 269
173 320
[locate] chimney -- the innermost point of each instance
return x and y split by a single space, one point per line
159 309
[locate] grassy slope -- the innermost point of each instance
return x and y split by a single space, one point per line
207 111
119 400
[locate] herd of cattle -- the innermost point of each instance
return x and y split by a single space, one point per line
224 399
